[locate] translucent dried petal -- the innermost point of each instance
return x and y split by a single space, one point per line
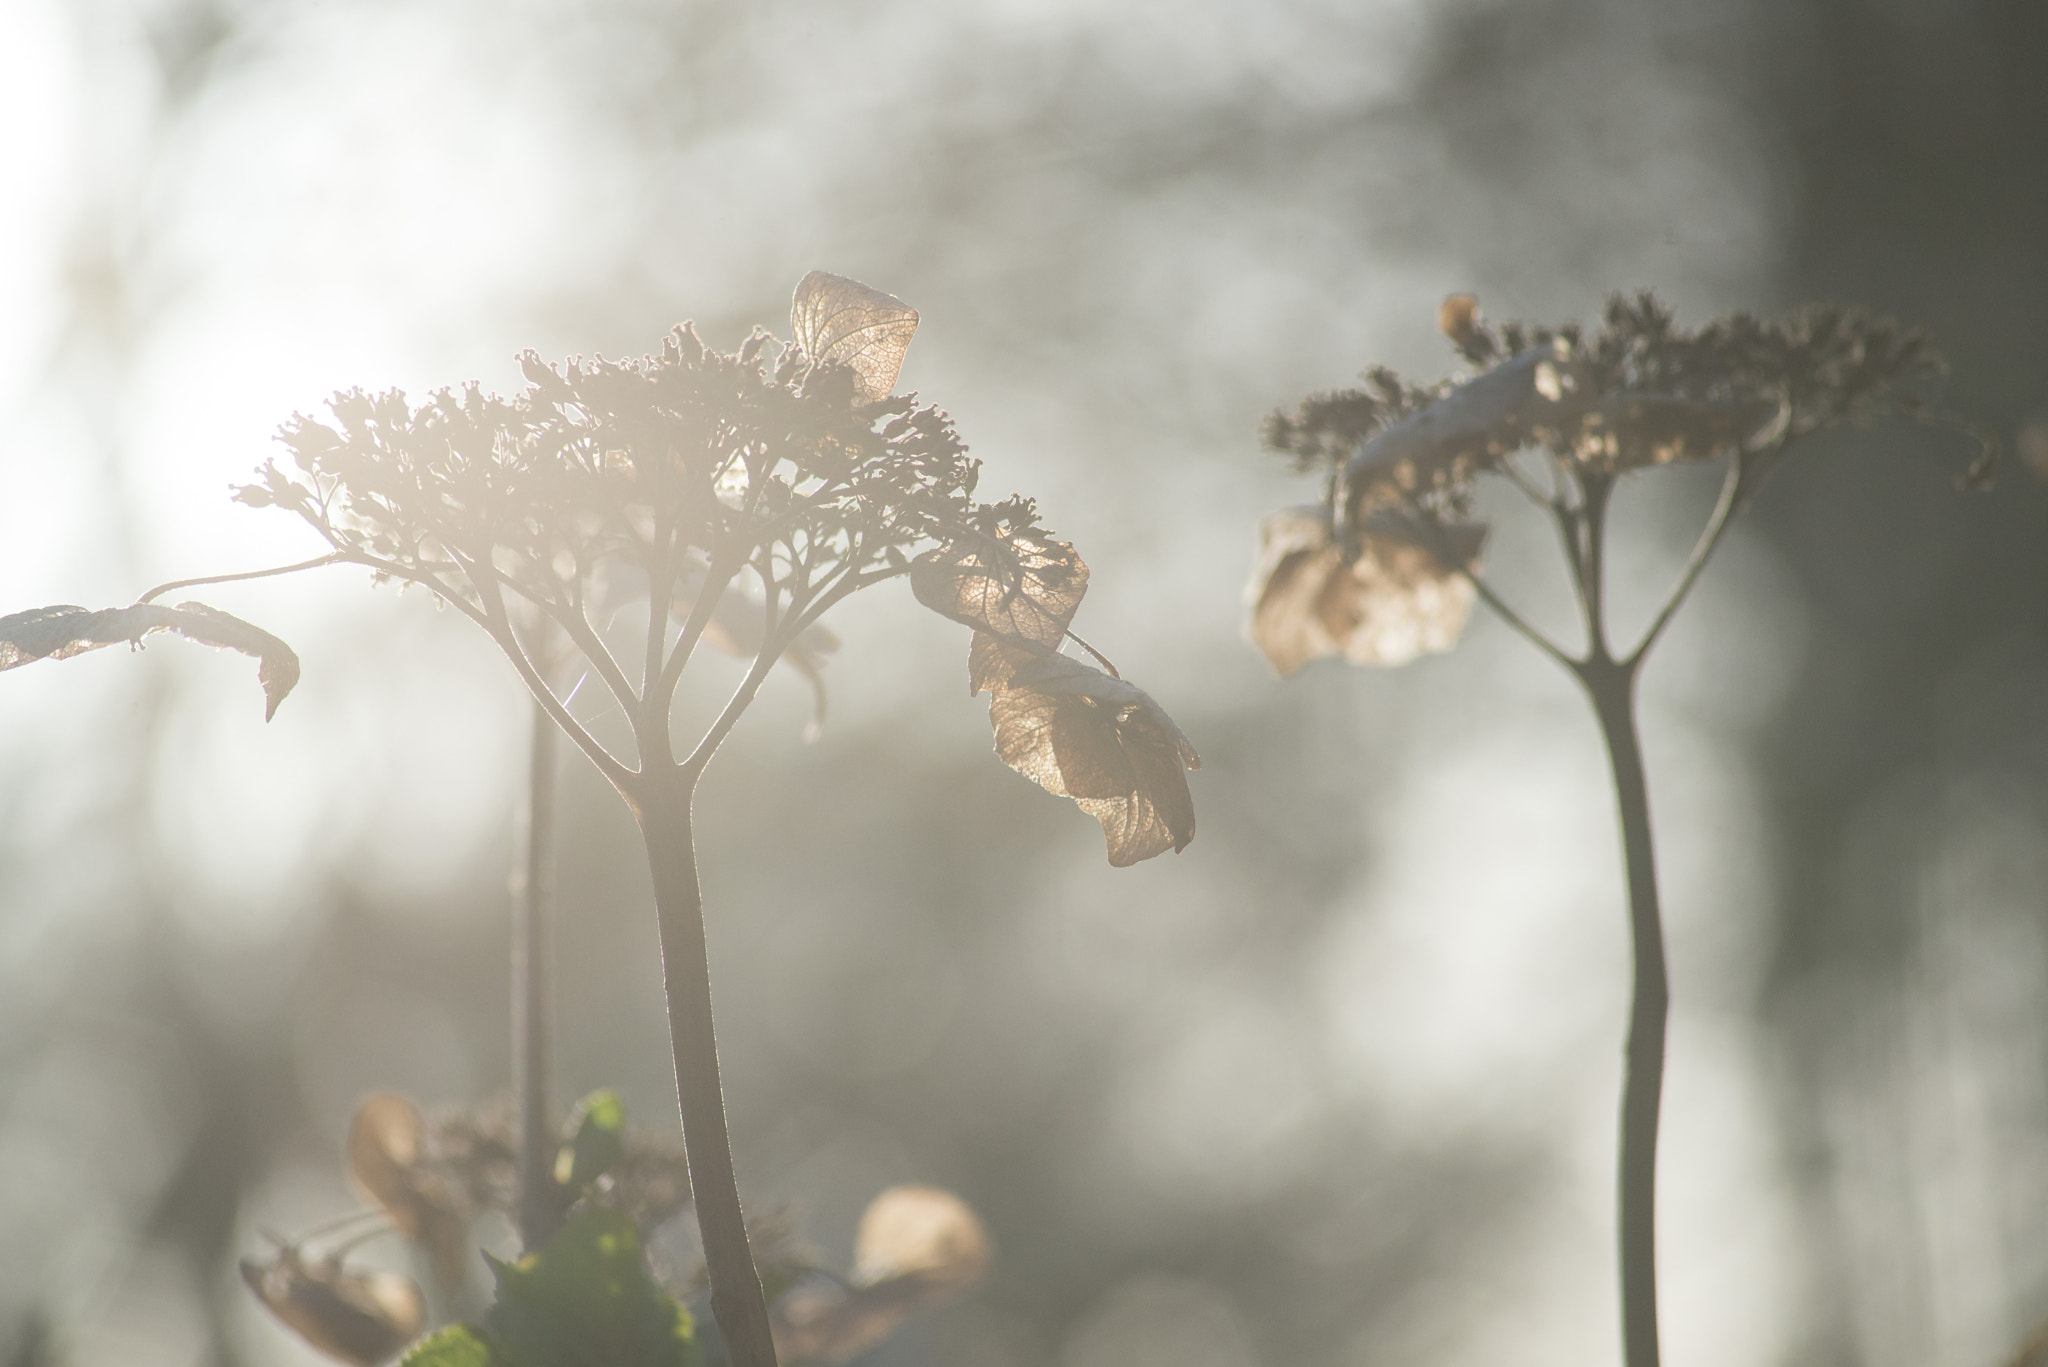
1084 734
57 633
1026 587
358 1317
837 321
1396 601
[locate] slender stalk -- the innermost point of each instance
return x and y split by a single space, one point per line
540 1207
737 1302
1611 687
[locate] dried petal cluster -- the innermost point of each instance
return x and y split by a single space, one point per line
1378 574
767 459
790 467
1074 729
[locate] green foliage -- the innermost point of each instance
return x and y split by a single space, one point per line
456 1346
599 1122
586 1300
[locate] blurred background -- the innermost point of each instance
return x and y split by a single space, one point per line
1335 1086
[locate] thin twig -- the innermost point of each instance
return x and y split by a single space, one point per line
336 558
1709 538
1448 554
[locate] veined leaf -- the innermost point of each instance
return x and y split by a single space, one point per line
837 321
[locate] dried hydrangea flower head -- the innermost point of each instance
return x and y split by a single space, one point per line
1377 574
1386 567
744 494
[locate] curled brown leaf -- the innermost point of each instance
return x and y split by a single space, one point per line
355 1316
917 1248
1395 600
1081 733
837 321
388 1157
57 633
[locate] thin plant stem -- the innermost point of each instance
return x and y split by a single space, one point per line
737 1302
1611 688
540 1206
312 564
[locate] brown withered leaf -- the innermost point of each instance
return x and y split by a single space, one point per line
1396 601
357 1317
917 1248
837 321
1025 587
387 1156
57 633
1081 733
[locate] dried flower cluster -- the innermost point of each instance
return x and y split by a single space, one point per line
1378 572
789 467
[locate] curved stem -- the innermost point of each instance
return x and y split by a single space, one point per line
315 563
737 1302
1611 688
540 1207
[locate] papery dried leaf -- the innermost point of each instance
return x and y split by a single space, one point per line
358 1317
1488 416
1025 586
387 1156
1102 741
918 1247
57 633
924 1230
1395 601
837 321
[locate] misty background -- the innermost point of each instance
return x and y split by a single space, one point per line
1338 1084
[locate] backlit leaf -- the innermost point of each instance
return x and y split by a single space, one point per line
837 321
1025 586
357 1317
1395 601
1079 732
56 633
599 1140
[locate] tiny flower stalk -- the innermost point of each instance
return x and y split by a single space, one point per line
743 495
1387 566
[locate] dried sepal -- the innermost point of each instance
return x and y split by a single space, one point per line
1081 733
1391 601
360 1317
917 1248
841 322
388 1155
57 633
1023 585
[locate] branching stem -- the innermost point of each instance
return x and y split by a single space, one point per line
315 563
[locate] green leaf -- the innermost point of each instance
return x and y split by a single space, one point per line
459 1345
600 1129
587 1298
